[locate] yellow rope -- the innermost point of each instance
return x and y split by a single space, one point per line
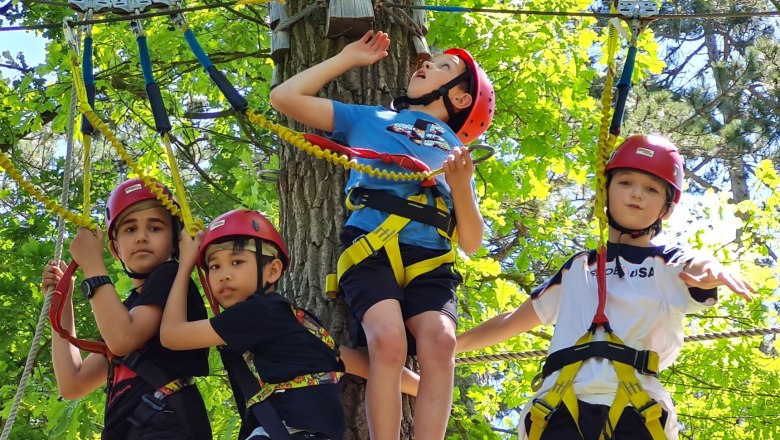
98 124
190 225
85 204
296 139
50 204
607 140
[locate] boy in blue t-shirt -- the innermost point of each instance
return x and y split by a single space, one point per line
449 102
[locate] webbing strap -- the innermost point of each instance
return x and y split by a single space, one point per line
630 390
544 407
386 236
437 216
306 380
644 361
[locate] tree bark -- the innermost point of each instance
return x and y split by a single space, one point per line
311 191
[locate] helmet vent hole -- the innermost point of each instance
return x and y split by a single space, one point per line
255 225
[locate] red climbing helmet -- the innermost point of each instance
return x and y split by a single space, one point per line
244 223
480 114
127 194
652 154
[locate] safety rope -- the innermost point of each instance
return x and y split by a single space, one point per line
296 139
498 357
607 140
51 205
36 342
83 105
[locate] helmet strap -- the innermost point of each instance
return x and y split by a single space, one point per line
261 287
634 233
133 275
404 102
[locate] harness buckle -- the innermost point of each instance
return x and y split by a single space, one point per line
153 402
646 363
650 412
545 409
366 244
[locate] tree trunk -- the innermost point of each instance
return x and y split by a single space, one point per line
311 191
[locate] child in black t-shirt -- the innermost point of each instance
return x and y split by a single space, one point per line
143 236
244 256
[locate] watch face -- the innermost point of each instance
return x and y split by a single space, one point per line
85 288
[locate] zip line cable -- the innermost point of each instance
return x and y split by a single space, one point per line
163 12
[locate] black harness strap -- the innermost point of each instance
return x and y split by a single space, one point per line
418 212
264 412
151 403
644 361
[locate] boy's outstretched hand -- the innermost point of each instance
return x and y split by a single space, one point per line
713 274
367 50
188 248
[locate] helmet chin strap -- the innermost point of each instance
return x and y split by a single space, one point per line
261 287
133 275
634 233
403 102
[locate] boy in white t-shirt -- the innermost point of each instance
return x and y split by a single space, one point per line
649 289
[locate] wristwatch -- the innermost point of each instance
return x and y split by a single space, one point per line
91 284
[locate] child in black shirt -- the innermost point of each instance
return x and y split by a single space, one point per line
143 236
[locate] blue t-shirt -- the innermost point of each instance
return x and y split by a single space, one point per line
412 133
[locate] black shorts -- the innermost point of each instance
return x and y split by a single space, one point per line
593 418
372 281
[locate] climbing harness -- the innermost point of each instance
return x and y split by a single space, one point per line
401 210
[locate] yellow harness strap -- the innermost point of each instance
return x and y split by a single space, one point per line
305 380
629 390
386 236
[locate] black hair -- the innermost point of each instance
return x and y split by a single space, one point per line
239 244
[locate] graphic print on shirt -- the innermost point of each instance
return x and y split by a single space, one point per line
422 133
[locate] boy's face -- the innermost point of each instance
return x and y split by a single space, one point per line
144 239
434 74
637 199
232 275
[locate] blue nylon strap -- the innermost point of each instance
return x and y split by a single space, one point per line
197 49
447 8
86 64
623 87
146 60
89 83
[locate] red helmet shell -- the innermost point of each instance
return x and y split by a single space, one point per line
652 154
242 222
127 194
481 112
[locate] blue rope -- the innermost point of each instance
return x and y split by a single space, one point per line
623 88
197 50
146 60
86 63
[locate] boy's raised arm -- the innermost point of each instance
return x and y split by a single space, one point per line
176 333
499 328
297 97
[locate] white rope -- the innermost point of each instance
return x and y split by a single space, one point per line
36 343
499 357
